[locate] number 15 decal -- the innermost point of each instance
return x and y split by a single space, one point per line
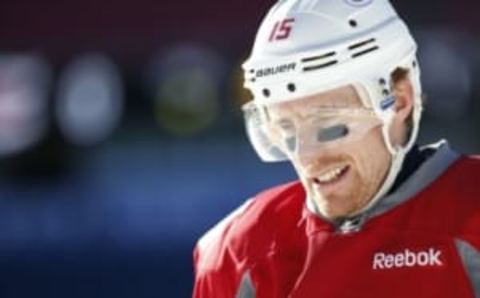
281 30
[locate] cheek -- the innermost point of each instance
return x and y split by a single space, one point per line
372 160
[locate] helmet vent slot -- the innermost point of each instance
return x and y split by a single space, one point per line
362 44
366 51
314 58
316 67
320 61
363 47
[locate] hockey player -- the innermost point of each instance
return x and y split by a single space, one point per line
337 92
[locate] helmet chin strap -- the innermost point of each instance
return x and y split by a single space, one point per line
398 154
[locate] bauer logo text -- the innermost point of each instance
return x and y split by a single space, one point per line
270 71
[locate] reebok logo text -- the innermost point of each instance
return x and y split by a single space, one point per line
407 258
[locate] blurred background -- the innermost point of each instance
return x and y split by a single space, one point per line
121 140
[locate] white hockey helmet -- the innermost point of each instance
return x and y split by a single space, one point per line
304 47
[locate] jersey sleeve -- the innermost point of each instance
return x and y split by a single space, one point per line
218 270
468 239
468 248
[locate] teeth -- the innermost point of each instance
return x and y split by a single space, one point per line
331 175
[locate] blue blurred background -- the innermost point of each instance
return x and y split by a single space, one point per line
121 140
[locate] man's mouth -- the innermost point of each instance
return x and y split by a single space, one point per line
332 175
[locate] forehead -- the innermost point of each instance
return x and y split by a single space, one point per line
342 97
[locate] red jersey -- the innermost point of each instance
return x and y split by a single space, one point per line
423 240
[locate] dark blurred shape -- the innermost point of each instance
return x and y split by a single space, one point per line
90 99
240 95
446 72
186 84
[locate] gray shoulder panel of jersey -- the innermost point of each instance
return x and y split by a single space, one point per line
471 262
428 172
246 288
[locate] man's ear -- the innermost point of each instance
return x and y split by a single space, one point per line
404 97
402 89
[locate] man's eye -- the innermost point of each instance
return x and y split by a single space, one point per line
286 129
291 143
285 126
332 133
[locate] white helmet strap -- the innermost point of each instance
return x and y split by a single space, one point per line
398 153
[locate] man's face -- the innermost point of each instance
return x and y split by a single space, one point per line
340 176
